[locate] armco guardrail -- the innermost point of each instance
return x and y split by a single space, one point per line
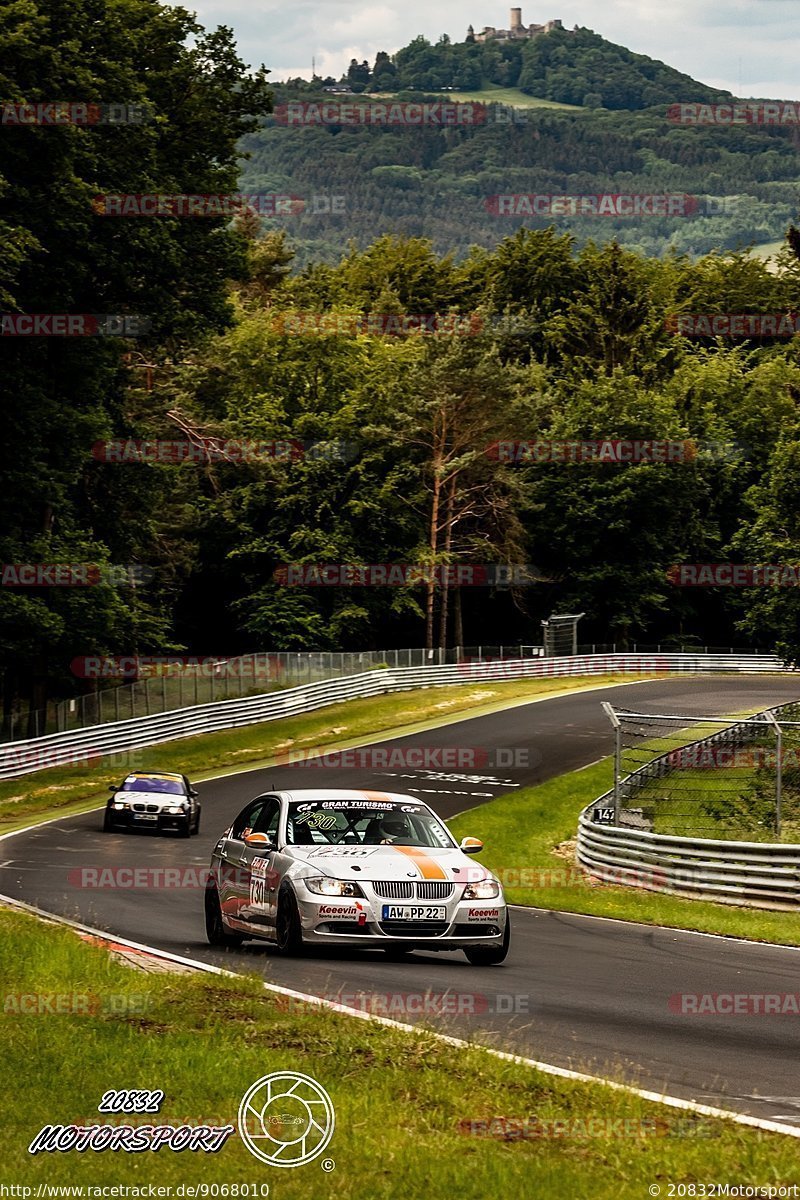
758 874
81 745
761 874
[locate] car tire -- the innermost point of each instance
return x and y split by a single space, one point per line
197 822
108 824
185 830
490 956
216 933
288 930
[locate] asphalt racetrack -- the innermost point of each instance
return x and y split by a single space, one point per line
579 992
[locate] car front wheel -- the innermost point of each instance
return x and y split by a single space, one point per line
490 956
288 931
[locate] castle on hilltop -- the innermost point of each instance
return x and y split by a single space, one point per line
517 30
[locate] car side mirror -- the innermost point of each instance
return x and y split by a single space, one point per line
112 787
471 845
193 792
259 841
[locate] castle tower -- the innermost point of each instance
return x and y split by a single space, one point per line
516 22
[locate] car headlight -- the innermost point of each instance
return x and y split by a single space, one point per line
486 889
120 804
333 887
178 809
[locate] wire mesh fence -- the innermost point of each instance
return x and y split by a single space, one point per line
725 778
168 682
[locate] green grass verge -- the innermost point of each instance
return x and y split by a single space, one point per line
522 832
401 1101
73 789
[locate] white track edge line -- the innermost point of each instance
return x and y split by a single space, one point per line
724 937
705 1110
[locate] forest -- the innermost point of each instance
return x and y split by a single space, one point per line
377 390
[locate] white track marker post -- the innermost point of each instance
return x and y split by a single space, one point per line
608 709
775 723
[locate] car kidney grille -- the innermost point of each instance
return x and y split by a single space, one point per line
394 889
145 808
434 891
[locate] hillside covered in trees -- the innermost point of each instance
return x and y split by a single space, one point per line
568 66
415 357
618 137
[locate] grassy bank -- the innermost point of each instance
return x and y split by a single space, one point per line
530 843
76 788
414 1118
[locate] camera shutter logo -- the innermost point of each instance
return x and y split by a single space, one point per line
286 1119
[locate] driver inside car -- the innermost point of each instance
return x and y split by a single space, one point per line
392 830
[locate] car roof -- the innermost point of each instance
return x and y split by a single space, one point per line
359 794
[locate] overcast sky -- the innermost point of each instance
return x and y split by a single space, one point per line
751 47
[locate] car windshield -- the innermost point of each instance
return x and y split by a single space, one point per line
350 823
153 783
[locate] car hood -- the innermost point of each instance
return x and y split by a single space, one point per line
160 798
389 863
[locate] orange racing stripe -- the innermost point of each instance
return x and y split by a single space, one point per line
428 867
